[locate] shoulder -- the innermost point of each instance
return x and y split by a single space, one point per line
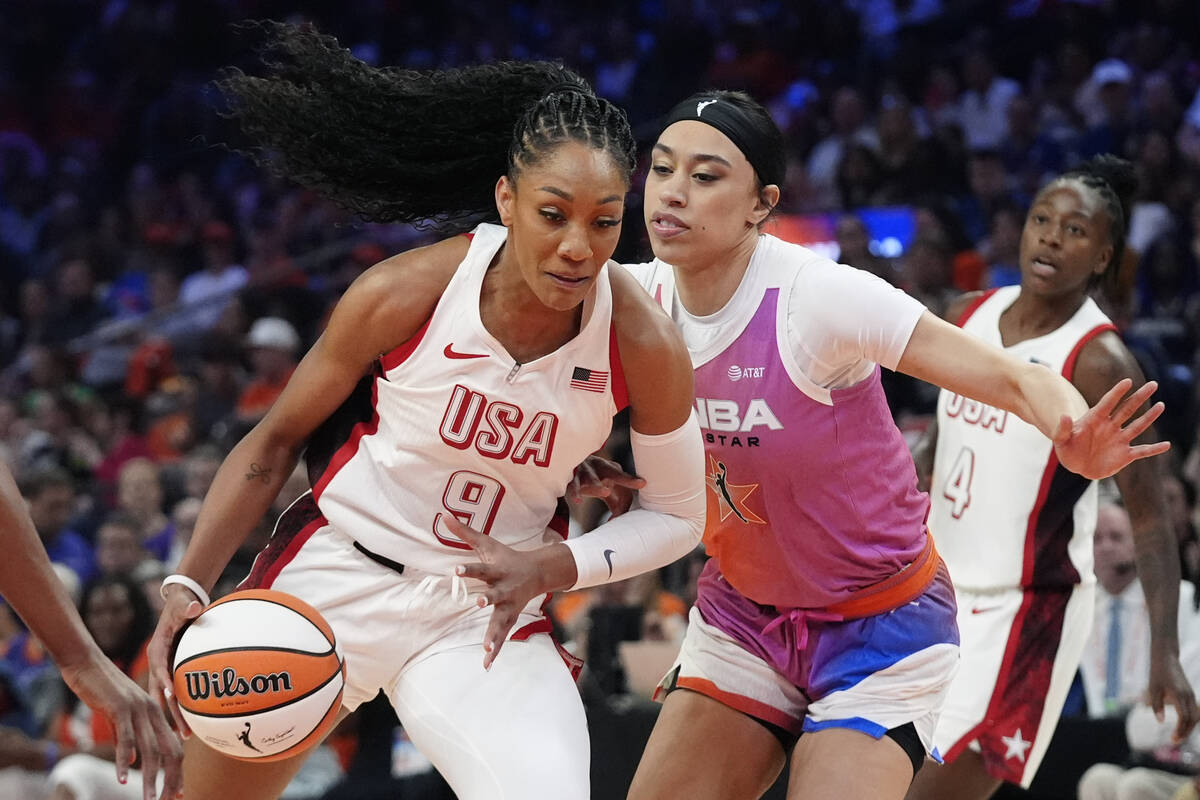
641 325
389 302
962 303
1103 361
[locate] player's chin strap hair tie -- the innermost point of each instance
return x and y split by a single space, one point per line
184 580
732 121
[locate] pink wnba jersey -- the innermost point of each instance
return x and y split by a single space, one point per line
1004 512
812 494
450 424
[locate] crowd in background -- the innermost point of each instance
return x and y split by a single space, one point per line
157 290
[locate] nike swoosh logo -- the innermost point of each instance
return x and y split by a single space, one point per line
984 610
608 554
450 353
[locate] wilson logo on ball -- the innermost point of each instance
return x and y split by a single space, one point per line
227 683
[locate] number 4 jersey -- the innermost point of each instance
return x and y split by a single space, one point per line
449 424
1004 512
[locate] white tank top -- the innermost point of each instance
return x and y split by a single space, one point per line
451 424
1004 512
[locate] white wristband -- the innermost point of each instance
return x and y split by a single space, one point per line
184 580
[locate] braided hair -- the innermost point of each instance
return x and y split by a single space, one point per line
1115 180
417 146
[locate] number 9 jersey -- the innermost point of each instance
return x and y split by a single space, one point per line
450 424
1004 512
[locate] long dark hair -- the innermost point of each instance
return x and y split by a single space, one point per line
1115 180
401 145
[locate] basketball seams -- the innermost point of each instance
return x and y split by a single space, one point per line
296 604
331 651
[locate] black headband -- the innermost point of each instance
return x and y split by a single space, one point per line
766 158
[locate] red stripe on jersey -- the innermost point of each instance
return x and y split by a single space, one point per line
347 450
560 523
295 526
973 307
620 392
470 236
1019 698
1068 369
401 353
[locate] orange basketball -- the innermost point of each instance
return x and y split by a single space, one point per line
259 675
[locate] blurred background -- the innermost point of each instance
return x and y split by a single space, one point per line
156 290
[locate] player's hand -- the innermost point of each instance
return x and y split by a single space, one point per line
1100 443
139 721
180 608
513 578
599 477
1169 684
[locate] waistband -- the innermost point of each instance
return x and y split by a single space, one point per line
378 559
905 586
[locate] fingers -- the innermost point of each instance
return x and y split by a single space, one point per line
1113 396
1148 450
497 633
1142 423
148 747
469 535
1185 706
125 752
474 570
1131 404
171 753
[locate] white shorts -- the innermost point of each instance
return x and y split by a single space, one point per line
514 731
1020 651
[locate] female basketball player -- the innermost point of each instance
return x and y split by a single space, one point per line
487 367
1014 528
824 609
30 586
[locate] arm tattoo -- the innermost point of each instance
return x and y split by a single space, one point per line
259 473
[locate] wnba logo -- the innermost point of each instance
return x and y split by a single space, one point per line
227 683
735 373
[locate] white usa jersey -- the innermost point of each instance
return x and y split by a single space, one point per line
449 424
1004 512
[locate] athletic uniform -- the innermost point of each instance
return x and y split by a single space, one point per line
448 424
1015 529
823 604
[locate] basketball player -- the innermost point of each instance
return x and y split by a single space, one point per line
487 367
824 610
28 583
1015 528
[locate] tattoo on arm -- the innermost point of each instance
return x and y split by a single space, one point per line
259 473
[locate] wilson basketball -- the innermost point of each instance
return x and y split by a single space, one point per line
259 676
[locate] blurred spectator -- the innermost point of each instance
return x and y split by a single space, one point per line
205 293
140 496
854 248
848 117
983 108
119 544
273 345
1111 119
50 494
1003 245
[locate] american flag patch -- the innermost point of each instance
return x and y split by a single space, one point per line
589 380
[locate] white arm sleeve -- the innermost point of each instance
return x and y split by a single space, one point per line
670 521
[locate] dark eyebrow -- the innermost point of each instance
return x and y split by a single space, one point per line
698 157
612 198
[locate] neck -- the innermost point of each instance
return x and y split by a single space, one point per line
706 286
1034 315
513 314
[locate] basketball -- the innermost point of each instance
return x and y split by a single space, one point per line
259 676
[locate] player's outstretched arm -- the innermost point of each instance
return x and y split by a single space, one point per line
30 586
1094 442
